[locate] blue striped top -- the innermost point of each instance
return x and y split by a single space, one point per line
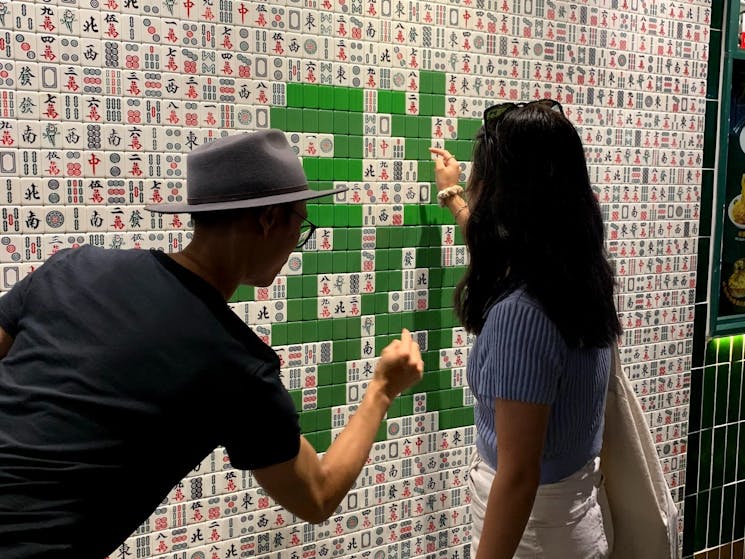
521 355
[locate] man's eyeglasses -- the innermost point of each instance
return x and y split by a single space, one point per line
306 230
496 112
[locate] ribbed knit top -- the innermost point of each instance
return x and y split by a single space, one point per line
521 355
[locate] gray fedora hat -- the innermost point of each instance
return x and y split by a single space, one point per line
243 171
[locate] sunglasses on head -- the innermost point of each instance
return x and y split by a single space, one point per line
496 112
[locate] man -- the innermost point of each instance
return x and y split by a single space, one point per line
122 370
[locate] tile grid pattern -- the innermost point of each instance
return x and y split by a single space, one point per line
101 100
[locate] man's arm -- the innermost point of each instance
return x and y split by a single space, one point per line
313 488
6 340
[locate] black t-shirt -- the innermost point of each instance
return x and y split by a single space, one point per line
125 372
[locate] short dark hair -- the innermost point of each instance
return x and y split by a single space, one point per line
223 218
535 222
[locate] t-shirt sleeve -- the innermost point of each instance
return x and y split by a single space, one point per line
11 306
264 429
523 353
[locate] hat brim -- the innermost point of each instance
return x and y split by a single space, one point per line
247 203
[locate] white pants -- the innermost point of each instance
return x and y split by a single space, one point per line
570 518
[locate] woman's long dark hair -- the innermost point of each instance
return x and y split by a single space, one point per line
534 221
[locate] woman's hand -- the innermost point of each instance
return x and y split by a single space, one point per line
447 168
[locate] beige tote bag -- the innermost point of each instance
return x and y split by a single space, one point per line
645 518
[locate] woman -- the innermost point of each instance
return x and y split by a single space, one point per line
538 293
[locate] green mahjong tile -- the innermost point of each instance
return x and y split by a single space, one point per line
395 409
324 262
294 287
354 215
395 257
412 214
325 97
425 126
382 236
311 98
309 330
398 125
425 173
325 121
340 122
431 236
278 117
325 216
382 432
326 169
325 329
310 166
356 149
449 419
354 239
307 420
341 166
340 236
406 405
339 262
411 125
243 293
381 323
412 236
297 398
341 99
368 303
407 321
354 327
325 185
354 263
381 281
356 100
425 82
355 171
310 309
395 280
313 209
398 102
294 119
468 128
322 441
341 151
340 372
325 370
279 333
340 350
341 216
438 104
381 259
310 262
427 105
394 324
411 148
431 360
294 93
435 400
356 124
323 418
338 329
384 101
310 120
438 82
435 277
339 393
381 303
325 396
424 145
466 416
294 309
396 237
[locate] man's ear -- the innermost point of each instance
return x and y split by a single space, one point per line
268 219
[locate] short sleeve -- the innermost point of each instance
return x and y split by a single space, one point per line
264 428
523 353
11 306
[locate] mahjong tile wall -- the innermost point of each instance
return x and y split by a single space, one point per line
101 101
